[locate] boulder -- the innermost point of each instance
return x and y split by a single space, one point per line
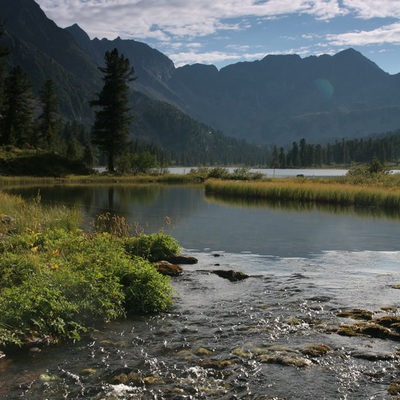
167 268
182 260
231 275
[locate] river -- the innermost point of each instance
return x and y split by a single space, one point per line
271 336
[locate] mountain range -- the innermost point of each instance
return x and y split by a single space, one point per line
276 100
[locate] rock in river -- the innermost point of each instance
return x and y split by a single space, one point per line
230 274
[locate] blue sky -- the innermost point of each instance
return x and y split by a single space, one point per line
223 32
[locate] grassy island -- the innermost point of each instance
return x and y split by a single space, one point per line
369 186
57 281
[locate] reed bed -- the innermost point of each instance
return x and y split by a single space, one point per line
18 215
309 191
98 179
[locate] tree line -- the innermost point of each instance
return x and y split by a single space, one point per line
385 148
34 121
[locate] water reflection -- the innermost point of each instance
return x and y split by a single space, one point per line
207 222
367 212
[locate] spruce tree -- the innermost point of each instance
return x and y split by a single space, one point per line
49 119
110 131
18 110
4 51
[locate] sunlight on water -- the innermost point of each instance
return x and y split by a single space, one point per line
235 340
274 335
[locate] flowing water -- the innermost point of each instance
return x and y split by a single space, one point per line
271 336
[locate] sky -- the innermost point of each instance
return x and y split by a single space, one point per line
223 32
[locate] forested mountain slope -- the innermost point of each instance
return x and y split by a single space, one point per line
276 100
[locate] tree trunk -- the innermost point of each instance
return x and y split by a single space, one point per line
111 162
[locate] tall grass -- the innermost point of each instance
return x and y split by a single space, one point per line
99 179
309 191
18 215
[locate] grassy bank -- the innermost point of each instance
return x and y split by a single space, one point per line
330 191
98 179
57 282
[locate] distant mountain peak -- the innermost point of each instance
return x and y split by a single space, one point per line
353 56
77 31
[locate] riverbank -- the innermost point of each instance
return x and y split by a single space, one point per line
375 191
57 282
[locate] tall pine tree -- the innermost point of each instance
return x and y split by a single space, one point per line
4 51
18 110
110 131
49 119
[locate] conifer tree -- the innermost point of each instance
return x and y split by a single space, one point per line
88 155
3 53
110 131
49 119
18 110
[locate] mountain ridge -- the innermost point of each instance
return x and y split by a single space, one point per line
275 100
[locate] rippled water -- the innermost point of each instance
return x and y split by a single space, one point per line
233 340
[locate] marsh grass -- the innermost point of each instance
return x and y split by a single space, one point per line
315 191
99 179
18 215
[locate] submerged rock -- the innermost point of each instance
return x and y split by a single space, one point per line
126 378
231 275
318 350
394 389
356 313
371 329
284 359
218 364
387 321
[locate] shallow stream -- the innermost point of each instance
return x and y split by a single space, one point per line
271 336
249 339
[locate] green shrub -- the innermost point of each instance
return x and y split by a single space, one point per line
145 290
242 173
155 247
59 283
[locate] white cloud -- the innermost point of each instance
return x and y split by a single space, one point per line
212 57
183 29
385 34
160 19
367 9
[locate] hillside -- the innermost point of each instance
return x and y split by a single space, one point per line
284 98
71 60
276 100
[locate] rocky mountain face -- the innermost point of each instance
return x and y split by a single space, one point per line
152 68
284 98
278 99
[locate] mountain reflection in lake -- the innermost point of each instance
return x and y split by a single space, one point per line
272 336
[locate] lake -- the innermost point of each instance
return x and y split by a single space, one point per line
233 340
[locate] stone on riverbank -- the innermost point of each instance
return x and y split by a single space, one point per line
169 269
186 260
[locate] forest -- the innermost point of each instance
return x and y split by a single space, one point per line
384 147
161 135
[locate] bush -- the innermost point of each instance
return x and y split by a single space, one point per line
243 173
58 283
155 247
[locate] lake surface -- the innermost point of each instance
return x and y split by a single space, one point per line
275 172
233 340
